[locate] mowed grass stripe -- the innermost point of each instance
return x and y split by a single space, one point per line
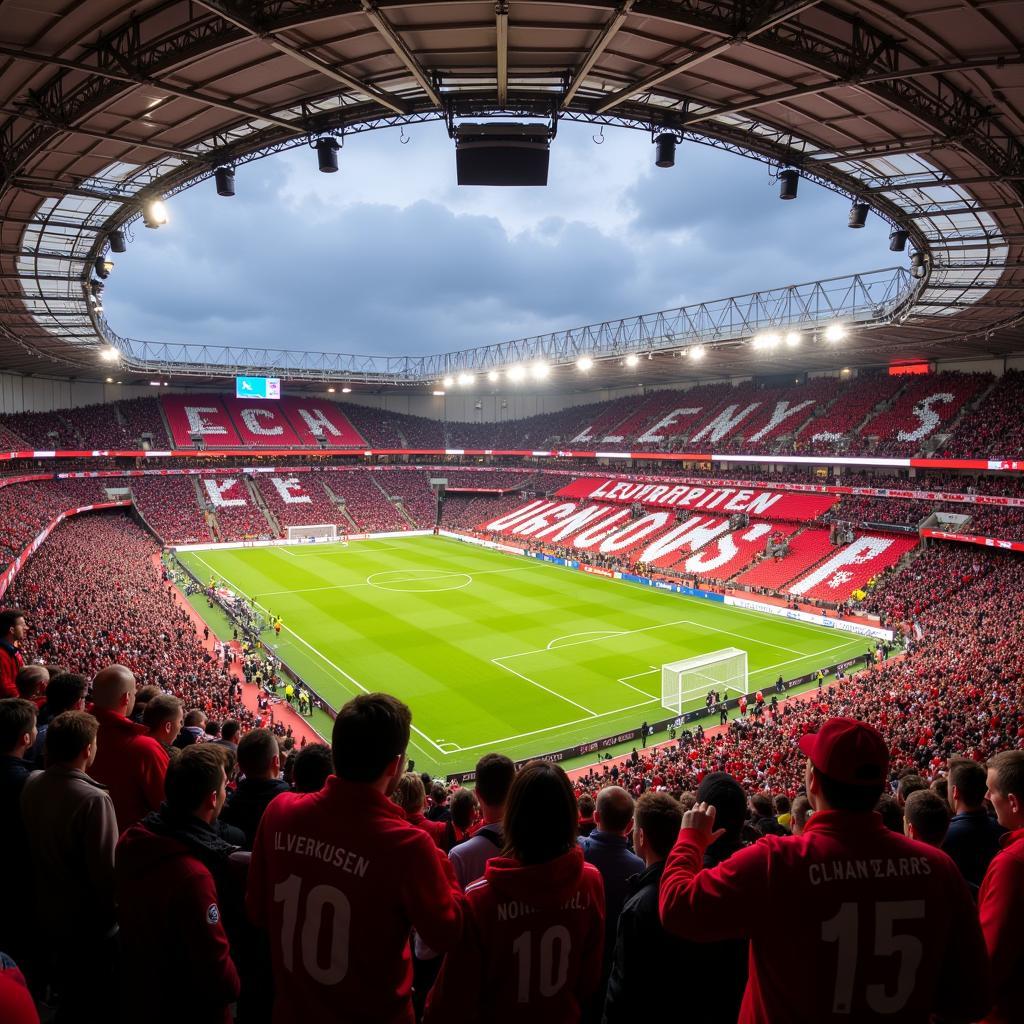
442 649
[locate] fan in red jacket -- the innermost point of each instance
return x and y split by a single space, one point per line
129 762
168 906
1001 899
880 926
534 938
338 878
12 633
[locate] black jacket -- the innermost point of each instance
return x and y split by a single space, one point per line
246 805
646 958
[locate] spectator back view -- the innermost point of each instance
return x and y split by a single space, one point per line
884 927
339 876
129 762
532 946
973 837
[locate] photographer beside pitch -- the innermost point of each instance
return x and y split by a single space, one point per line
882 926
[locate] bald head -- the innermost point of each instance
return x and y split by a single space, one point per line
614 810
113 689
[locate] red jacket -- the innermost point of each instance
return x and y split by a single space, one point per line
339 878
11 663
131 765
883 927
171 927
532 947
437 830
1001 909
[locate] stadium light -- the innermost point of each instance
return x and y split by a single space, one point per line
154 213
330 391
516 374
540 371
666 153
327 154
225 180
449 382
793 339
834 333
918 265
103 266
584 363
858 215
110 355
465 379
493 376
768 340
346 391
788 182
632 359
438 394
696 352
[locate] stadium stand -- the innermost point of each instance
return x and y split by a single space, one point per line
805 550
365 502
170 507
299 500
996 427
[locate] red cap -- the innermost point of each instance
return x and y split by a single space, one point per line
848 751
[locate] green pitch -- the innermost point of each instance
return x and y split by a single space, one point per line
493 651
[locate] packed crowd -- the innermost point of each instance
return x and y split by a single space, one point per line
214 854
26 509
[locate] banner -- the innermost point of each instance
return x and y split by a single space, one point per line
724 500
968 538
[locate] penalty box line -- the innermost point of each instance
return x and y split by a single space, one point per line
631 707
323 657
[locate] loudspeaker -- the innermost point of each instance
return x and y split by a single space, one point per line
502 154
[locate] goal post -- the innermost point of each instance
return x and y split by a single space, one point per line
691 678
319 532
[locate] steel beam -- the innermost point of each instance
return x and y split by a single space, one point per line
501 50
404 54
600 44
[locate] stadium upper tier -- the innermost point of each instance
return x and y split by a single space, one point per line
967 415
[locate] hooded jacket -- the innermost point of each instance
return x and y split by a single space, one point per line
246 805
131 764
170 917
531 948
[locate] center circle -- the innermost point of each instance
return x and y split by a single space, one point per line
419 581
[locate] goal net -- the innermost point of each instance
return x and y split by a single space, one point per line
692 678
322 532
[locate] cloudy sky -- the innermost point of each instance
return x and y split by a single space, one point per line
390 255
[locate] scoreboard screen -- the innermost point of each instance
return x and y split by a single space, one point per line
257 387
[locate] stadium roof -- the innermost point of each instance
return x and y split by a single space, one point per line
914 106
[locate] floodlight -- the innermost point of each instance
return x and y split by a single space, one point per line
346 391
448 382
632 359
110 380
666 153
110 355
540 371
154 213
793 339
897 240
493 376
330 391
117 242
835 332
327 154
585 363
102 266
465 379
858 215
696 352
438 394
516 374
767 340
788 181
225 179
918 264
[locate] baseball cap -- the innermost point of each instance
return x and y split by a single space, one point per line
848 751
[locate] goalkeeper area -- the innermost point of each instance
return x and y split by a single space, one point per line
495 651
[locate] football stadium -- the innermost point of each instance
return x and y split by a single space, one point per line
508 506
